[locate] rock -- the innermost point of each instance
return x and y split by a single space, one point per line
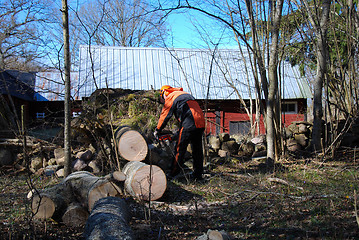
260 147
303 128
60 161
50 170
287 133
239 138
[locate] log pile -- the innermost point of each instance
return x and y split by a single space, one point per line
130 144
72 199
225 145
298 136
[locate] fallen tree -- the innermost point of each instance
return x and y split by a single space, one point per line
108 220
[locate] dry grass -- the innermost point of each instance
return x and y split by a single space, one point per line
303 199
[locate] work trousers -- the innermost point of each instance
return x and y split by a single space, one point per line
185 137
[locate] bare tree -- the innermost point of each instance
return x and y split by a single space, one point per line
20 40
67 102
263 26
319 21
125 23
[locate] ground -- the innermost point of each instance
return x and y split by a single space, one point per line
304 198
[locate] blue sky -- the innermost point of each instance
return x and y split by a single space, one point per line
185 34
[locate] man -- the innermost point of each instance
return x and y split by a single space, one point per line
191 119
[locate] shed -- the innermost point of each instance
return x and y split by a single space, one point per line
218 78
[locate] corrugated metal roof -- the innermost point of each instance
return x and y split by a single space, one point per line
197 71
52 87
17 85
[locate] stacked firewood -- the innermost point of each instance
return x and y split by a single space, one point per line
226 145
298 136
72 200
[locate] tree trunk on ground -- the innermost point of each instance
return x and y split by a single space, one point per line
51 202
143 181
108 220
83 188
131 144
89 188
75 215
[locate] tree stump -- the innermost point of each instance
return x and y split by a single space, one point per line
108 220
131 144
143 181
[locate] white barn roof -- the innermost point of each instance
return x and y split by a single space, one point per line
195 70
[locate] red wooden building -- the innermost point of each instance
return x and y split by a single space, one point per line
229 116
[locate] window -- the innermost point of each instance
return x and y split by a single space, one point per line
76 114
290 107
40 115
239 127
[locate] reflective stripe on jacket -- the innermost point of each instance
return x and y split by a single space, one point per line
185 109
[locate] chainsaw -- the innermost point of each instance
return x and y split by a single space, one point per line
165 137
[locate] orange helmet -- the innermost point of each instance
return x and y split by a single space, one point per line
163 90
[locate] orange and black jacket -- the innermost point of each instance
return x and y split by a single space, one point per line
186 110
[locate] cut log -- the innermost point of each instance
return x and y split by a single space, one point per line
131 144
89 188
82 187
51 203
119 176
75 215
108 220
143 181
214 235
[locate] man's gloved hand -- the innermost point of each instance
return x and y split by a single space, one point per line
156 133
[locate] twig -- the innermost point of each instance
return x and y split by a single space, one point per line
278 180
